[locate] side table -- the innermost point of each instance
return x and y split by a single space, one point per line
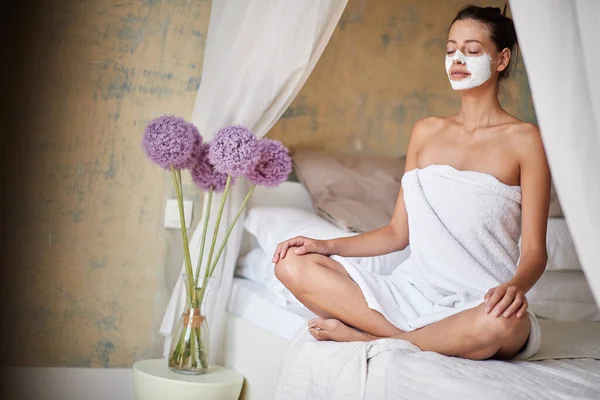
152 380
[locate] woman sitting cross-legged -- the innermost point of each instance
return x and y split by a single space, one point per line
475 184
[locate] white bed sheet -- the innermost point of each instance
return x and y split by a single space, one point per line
432 376
255 303
396 369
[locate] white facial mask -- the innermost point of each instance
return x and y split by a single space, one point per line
480 68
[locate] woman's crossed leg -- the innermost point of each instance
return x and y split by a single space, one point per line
324 287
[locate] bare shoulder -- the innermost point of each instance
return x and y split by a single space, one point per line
526 139
526 131
423 131
428 127
526 142
430 124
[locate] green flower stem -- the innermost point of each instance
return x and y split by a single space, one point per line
193 346
199 344
179 360
176 353
231 229
202 292
179 194
186 247
205 228
216 231
178 173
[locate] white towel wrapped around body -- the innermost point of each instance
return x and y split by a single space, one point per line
464 230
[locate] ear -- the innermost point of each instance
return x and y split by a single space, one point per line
503 60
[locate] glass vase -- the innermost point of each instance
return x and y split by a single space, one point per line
190 342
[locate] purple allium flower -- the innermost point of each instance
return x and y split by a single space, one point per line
234 150
204 174
170 140
274 165
196 152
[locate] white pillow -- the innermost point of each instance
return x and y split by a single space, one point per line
561 250
563 296
272 225
256 266
559 245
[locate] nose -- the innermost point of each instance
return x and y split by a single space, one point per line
458 57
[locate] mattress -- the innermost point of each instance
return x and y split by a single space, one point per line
432 376
255 303
395 369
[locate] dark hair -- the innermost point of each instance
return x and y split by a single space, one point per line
501 27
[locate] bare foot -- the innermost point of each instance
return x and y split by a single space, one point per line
333 329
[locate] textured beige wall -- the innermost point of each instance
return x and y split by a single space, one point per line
382 71
87 207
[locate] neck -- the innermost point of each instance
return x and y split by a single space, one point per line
480 107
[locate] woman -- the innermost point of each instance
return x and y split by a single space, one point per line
470 180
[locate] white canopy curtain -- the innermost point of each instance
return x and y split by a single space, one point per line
258 55
559 40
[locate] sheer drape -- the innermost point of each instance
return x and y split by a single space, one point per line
561 50
258 55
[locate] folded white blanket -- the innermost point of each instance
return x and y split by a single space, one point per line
464 230
399 370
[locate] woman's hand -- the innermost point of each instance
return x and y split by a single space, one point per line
505 300
304 244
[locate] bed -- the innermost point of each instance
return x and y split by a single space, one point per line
260 327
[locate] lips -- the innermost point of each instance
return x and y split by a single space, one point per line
458 75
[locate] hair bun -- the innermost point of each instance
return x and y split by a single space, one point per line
493 10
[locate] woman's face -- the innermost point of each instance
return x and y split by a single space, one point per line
471 56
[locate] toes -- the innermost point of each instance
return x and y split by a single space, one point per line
315 322
324 324
319 334
323 329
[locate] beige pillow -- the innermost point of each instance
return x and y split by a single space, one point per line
355 193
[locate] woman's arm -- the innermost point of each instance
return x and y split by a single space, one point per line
393 236
509 298
535 202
